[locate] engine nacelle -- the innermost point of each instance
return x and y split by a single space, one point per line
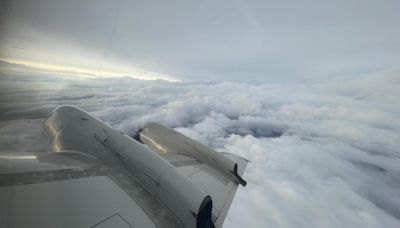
163 140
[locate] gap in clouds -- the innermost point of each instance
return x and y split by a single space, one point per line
322 155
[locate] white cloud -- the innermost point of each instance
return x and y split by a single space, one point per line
322 155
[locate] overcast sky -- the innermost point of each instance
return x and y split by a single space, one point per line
268 41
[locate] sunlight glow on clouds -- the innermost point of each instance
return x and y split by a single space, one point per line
87 73
45 52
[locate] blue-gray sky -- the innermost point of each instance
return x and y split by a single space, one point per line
268 41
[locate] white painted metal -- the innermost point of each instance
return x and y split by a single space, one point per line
210 170
74 129
167 187
82 202
30 162
163 140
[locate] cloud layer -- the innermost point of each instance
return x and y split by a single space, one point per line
322 155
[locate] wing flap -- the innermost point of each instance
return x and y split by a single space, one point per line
83 202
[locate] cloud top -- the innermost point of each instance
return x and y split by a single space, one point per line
322 155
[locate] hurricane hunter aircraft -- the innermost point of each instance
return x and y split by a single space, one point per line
96 176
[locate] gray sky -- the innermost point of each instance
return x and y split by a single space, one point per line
268 41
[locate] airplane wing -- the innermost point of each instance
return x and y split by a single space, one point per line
97 176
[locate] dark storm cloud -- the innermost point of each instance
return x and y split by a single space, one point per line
280 41
320 156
